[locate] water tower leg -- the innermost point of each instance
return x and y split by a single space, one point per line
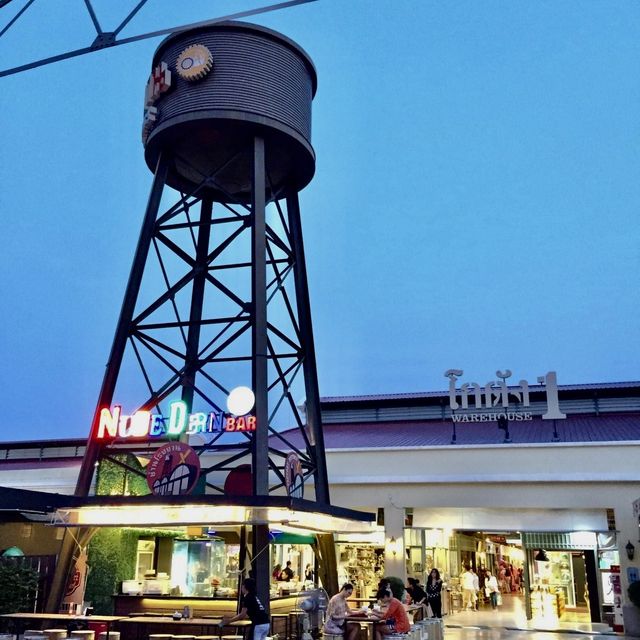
124 322
309 354
260 444
191 365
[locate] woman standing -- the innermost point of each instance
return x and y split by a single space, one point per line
434 593
491 589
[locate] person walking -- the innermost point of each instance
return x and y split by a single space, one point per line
252 609
434 593
491 589
476 590
467 584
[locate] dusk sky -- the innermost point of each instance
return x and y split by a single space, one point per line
475 203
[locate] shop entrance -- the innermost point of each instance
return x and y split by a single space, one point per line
544 580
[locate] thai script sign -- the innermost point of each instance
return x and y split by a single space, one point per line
495 399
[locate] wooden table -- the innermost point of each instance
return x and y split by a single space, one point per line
21 619
369 621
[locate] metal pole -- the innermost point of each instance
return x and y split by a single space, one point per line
527 579
124 323
314 419
260 443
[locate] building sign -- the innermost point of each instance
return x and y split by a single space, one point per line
173 470
495 399
144 424
158 84
293 478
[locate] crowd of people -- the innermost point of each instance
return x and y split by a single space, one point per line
389 613
476 587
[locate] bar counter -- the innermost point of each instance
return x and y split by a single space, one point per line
126 605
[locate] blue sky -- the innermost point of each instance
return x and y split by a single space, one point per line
475 203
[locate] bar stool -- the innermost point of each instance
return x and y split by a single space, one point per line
55 634
275 617
113 635
160 636
294 622
83 634
182 637
241 627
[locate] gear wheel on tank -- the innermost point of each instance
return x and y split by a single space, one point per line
194 63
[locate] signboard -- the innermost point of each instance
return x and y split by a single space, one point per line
173 470
76 583
496 400
616 587
144 424
293 477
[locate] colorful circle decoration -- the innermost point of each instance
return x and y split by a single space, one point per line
194 63
173 470
293 478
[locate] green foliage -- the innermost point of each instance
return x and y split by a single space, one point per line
634 593
18 586
397 587
112 558
113 479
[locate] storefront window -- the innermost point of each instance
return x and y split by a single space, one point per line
361 562
556 574
427 549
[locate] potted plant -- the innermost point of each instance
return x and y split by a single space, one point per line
18 587
397 587
631 612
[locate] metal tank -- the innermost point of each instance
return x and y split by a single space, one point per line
211 91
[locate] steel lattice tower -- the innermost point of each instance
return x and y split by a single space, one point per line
217 295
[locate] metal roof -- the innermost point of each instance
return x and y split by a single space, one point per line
436 433
444 394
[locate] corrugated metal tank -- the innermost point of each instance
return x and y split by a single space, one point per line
260 83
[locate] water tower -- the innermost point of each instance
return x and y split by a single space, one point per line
227 127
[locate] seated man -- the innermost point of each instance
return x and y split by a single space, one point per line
393 617
337 612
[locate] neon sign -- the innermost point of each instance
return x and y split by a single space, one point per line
144 424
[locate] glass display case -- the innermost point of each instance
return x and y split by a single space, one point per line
205 568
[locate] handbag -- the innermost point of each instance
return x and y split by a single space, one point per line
499 599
